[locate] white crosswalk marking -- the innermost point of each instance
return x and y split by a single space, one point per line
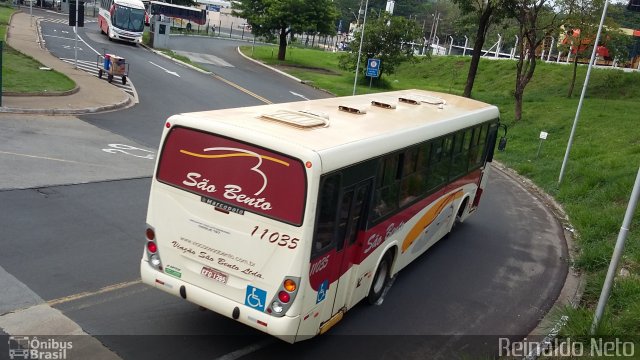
63 21
92 68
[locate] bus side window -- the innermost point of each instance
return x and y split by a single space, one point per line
481 144
344 213
475 149
423 155
440 162
460 159
413 180
359 208
327 215
387 186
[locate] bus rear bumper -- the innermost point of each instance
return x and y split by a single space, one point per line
284 328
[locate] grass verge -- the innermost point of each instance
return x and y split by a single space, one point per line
22 73
601 169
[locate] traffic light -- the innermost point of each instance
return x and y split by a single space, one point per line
72 13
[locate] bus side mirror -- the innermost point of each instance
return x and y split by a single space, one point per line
503 140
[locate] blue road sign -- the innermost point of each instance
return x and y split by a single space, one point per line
373 67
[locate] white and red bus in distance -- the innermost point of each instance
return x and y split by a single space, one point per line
285 216
122 19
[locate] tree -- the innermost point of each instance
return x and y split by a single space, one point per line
536 21
580 29
280 18
320 16
385 38
487 12
625 18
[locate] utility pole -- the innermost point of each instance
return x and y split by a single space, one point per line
584 90
364 22
433 23
435 31
617 254
75 29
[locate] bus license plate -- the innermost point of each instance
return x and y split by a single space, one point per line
214 274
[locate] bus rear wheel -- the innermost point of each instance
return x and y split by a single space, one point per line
458 217
380 279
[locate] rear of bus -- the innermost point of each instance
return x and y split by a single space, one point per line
224 225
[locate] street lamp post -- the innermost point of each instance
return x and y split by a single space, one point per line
364 21
584 90
433 23
466 42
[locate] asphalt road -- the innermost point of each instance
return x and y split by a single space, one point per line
72 220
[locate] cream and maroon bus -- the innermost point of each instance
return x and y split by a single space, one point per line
285 216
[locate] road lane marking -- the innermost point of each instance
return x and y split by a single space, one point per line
298 95
50 158
167 71
59 37
86 294
241 89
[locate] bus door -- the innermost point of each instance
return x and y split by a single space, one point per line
351 220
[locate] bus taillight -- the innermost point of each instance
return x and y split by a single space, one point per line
290 285
285 296
152 248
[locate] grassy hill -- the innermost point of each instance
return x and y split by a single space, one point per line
601 169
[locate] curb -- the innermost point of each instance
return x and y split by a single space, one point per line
58 93
270 67
284 73
104 108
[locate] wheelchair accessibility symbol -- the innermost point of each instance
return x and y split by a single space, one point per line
322 291
255 298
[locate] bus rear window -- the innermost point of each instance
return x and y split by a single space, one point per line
233 175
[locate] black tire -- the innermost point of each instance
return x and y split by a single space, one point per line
380 279
109 78
124 80
100 74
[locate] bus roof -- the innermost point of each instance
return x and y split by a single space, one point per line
136 4
334 127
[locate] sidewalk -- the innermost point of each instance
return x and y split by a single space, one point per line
91 94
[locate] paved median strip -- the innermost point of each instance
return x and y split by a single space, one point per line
35 326
48 326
